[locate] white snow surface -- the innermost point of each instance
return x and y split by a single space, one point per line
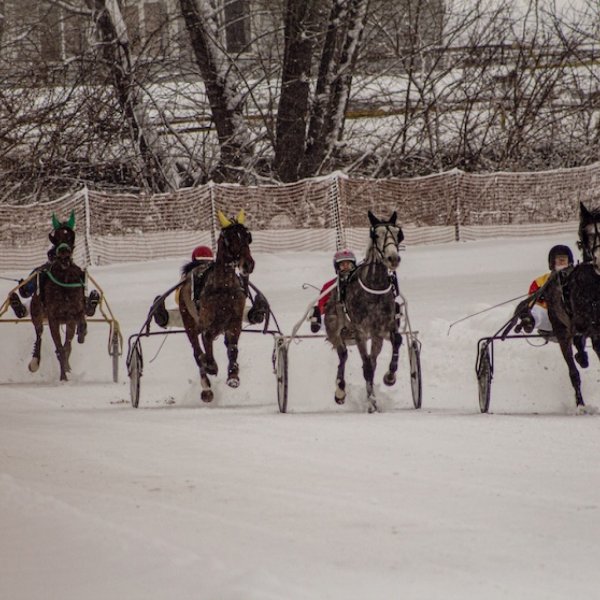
235 501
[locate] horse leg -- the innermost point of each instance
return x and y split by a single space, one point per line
581 355
368 372
567 351
390 377
210 364
34 363
340 382
60 350
69 335
233 369
207 394
596 345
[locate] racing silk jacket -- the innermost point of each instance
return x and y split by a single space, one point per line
536 284
323 301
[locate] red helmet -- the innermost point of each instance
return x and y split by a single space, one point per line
343 255
202 253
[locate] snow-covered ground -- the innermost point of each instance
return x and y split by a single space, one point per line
234 500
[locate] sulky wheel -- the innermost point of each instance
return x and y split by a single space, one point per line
281 372
135 373
484 377
416 384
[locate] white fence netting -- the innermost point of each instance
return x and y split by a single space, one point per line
316 214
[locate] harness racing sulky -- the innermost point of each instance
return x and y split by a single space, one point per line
362 311
211 298
58 299
572 296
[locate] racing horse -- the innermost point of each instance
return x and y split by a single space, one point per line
365 309
60 299
573 298
213 304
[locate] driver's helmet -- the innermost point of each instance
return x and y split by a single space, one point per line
202 253
559 250
341 256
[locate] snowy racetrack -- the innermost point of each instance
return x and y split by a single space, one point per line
237 501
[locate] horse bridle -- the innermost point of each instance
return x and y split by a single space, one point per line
588 253
227 242
388 233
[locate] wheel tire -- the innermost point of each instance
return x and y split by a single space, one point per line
484 378
135 374
281 372
114 352
416 383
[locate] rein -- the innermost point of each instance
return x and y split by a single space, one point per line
62 283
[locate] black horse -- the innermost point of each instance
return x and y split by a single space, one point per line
365 309
573 297
213 304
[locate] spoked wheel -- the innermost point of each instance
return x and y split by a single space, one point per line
484 377
135 367
416 384
114 353
281 372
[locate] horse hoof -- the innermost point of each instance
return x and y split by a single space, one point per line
372 407
233 382
389 378
34 365
207 395
340 396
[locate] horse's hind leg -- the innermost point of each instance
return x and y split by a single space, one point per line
340 382
233 369
581 355
34 363
567 351
390 377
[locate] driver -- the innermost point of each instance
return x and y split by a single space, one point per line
344 262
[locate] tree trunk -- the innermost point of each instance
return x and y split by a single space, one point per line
217 69
293 108
156 172
340 51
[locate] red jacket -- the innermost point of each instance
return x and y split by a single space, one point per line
323 301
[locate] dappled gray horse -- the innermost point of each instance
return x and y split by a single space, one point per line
365 309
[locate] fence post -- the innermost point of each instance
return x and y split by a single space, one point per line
340 238
213 215
457 204
90 258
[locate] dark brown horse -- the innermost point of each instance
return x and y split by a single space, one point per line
573 297
60 299
213 304
365 309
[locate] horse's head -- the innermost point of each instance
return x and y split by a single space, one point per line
384 239
234 243
63 255
63 232
589 234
